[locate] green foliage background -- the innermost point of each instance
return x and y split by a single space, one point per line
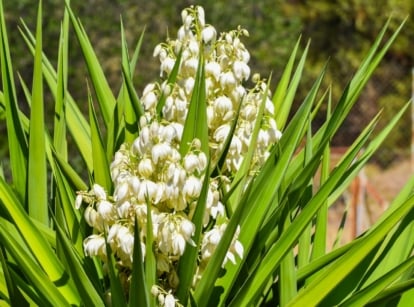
340 31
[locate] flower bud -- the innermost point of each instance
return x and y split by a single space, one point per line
201 16
184 14
78 201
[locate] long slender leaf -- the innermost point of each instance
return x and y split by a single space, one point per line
105 96
345 264
15 296
188 261
59 136
37 177
78 126
150 261
240 178
362 297
250 291
117 294
36 242
348 98
138 293
15 135
319 247
100 162
284 99
266 185
196 121
89 295
394 291
48 290
170 81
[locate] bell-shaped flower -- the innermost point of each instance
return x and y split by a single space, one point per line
191 163
149 101
147 189
241 70
178 244
106 210
208 34
145 167
160 152
192 188
94 245
222 105
187 229
99 191
121 191
213 69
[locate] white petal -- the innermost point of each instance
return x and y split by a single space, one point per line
78 201
208 34
99 191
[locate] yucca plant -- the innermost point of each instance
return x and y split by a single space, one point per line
201 191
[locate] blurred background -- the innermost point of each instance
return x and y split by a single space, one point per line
340 31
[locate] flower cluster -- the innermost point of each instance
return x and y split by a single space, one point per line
226 68
155 182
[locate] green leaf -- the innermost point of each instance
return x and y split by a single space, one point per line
103 92
78 126
59 136
284 95
138 293
196 122
100 163
392 292
252 288
319 247
37 177
132 110
150 261
15 134
264 188
240 178
37 244
170 81
345 264
188 261
69 173
204 294
67 216
117 293
362 297
87 292
15 296
45 287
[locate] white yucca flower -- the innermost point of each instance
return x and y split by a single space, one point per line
153 178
